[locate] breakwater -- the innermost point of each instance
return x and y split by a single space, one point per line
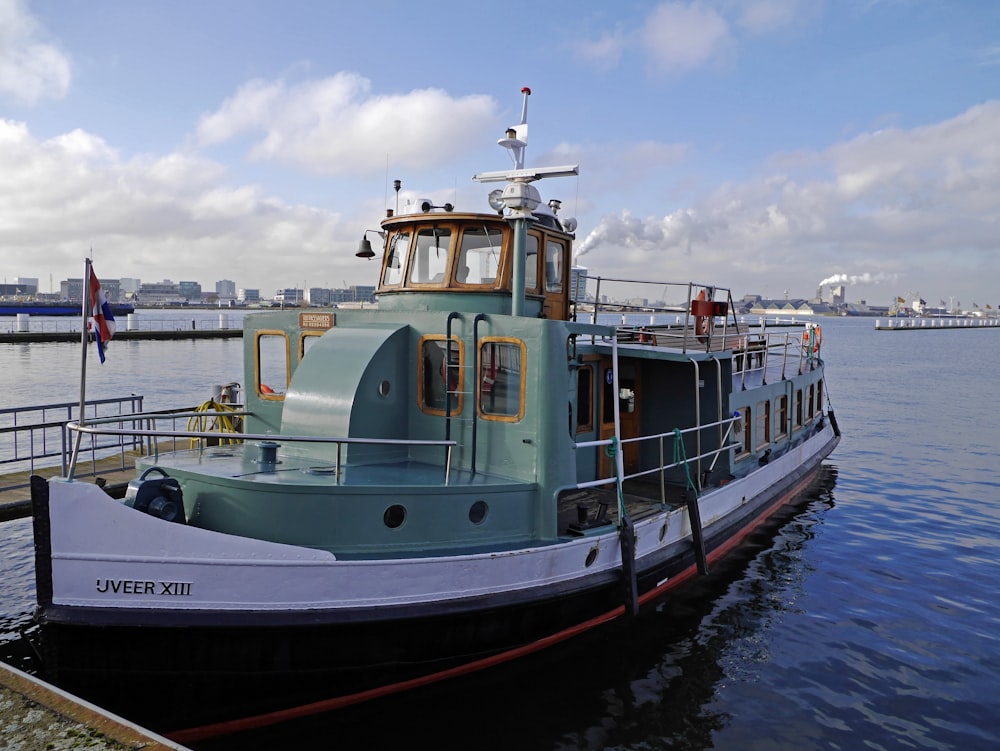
935 324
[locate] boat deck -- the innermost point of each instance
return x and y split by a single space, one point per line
585 511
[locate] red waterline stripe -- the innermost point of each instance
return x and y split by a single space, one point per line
327 705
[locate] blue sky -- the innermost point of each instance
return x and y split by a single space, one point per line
764 145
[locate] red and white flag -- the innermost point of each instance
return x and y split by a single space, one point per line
104 320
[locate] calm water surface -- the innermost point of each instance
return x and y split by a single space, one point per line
868 619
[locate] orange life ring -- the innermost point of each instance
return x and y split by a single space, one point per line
265 389
813 338
702 324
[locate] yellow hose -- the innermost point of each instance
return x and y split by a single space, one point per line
223 423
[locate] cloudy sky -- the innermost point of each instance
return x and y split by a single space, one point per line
765 145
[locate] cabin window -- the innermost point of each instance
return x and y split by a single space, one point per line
763 424
819 396
479 256
531 264
810 403
399 244
272 364
501 379
782 427
798 408
555 258
429 264
584 399
441 380
306 341
742 432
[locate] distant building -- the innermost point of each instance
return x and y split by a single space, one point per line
578 283
319 296
225 289
130 286
189 290
289 296
159 293
248 296
72 289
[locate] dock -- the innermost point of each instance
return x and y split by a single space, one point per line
35 716
30 337
935 324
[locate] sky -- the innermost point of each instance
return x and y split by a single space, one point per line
766 146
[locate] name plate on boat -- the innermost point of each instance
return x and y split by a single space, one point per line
316 320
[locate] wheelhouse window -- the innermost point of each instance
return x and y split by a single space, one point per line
479 256
555 258
501 379
441 376
431 256
531 264
272 350
395 259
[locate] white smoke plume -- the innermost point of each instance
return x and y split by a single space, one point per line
866 278
677 230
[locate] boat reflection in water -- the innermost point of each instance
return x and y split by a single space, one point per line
468 475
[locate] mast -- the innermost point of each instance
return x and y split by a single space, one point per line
519 197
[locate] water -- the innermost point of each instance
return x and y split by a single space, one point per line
869 619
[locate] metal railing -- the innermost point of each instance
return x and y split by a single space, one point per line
31 434
152 435
663 467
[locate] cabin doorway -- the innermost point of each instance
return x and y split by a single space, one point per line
628 403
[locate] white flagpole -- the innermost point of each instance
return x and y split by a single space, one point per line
83 369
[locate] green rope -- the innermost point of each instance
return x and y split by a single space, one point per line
680 455
611 451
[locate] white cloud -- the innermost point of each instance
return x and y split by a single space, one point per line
30 70
335 126
168 215
769 16
603 53
680 36
883 204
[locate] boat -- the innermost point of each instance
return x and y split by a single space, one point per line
469 474
54 308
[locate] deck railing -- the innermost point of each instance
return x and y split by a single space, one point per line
204 438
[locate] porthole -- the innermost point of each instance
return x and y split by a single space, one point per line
394 516
383 389
478 512
591 557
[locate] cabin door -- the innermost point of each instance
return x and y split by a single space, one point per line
628 400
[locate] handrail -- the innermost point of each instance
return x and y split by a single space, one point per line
95 427
729 421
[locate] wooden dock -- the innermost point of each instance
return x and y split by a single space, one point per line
35 716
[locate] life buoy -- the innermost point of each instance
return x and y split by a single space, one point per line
813 338
265 389
702 324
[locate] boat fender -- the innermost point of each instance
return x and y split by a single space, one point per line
160 497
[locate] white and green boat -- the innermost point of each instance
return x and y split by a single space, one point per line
477 469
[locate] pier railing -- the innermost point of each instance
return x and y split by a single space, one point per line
35 435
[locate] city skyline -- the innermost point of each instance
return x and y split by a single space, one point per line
767 143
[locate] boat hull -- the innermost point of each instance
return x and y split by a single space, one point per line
195 664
